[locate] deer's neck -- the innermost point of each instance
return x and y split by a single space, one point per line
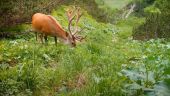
59 31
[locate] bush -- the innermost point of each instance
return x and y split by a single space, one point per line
157 21
18 11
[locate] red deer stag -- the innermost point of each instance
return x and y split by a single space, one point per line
47 25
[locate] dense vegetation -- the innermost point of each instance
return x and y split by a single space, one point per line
157 21
18 11
109 62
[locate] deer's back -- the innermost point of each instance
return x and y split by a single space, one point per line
42 24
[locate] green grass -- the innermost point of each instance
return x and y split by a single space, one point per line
118 4
107 63
125 26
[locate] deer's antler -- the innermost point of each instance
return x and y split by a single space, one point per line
71 14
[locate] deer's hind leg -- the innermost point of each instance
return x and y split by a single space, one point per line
41 35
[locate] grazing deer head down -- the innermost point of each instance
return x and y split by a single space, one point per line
47 25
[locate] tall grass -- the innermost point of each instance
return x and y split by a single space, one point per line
104 64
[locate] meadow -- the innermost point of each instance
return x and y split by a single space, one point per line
109 62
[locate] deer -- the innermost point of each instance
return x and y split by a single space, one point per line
47 25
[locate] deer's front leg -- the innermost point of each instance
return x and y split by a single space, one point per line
36 36
45 38
55 39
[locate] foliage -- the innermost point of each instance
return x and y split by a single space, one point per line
141 5
104 12
13 32
107 63
118 4
157 21
15 12
146 72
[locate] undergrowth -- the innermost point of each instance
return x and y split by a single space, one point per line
107 63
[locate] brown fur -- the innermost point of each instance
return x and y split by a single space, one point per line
47 25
